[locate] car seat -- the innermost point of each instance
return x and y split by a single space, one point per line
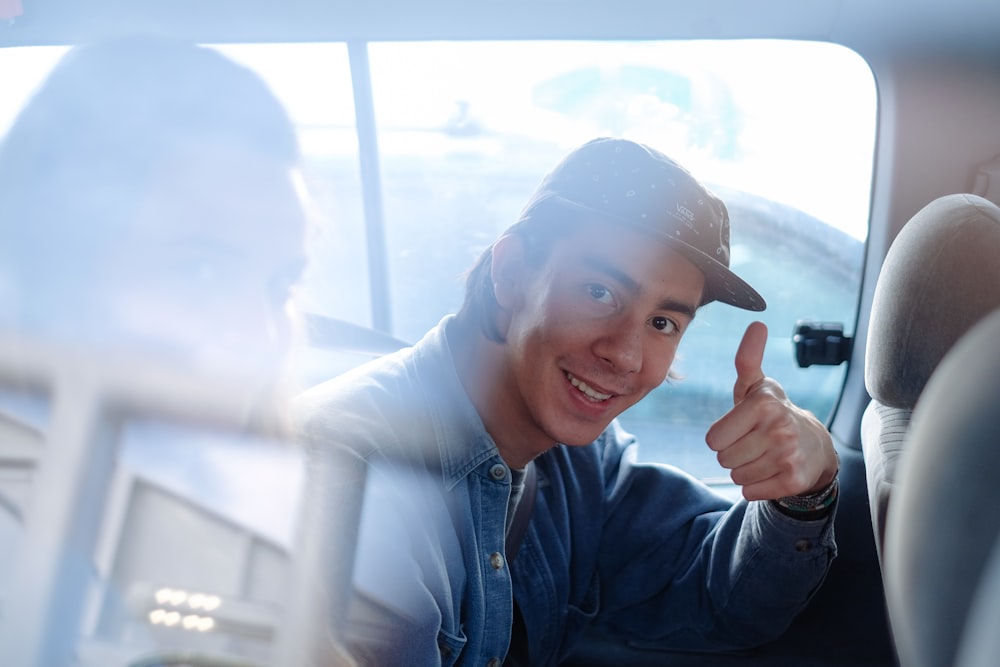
939 278
942 526
980 643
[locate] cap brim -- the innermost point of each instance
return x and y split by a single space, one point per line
721 284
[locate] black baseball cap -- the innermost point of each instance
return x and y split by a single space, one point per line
627 182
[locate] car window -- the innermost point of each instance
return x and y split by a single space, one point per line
314 83
463 131
783 131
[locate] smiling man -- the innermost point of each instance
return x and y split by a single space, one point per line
504 510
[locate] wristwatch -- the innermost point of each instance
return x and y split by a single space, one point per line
811 505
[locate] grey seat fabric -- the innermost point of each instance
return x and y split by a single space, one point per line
980 642
940 277
943 523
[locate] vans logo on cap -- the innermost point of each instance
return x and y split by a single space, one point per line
685 212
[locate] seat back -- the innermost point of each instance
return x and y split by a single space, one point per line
943 522
980 643
940 277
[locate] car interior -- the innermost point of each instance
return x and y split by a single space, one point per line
857 145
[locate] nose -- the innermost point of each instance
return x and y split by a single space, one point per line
621 347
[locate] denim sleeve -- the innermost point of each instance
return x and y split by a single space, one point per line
682 568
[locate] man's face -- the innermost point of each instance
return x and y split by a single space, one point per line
592 331
204 272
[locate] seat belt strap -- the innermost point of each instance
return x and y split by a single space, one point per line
522 514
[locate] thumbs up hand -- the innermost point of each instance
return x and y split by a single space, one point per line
771 447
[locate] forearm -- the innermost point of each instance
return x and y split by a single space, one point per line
742 586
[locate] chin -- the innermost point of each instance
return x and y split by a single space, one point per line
581 437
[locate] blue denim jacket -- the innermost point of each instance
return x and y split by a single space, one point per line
642 551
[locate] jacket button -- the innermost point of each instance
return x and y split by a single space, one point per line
496 560
494 662
498 471
803 546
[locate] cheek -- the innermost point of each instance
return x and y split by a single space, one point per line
533 322
151 313
658 358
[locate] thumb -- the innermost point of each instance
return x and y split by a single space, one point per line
749 360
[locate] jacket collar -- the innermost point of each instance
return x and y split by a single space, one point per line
462 439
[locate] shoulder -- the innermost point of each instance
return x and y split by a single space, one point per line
367 403
403 405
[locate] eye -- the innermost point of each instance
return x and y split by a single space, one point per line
664 324
600 293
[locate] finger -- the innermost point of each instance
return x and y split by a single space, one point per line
731 429
743 452
771 488
750 360
752 475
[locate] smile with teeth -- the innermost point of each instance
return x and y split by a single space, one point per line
591 394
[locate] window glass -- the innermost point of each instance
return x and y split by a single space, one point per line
783 131
314 83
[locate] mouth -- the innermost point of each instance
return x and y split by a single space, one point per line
588 392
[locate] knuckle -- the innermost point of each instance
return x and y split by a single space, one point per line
770 409
740 477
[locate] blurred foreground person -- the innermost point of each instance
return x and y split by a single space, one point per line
150 199
505 511
151 208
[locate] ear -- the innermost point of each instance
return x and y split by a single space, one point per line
508 270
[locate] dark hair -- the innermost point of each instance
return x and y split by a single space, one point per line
541 225
77 159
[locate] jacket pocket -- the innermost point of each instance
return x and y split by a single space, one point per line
580 613
450 646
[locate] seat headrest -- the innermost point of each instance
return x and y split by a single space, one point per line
940 276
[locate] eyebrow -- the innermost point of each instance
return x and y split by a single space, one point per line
672 305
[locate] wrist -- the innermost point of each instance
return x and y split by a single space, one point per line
809 506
